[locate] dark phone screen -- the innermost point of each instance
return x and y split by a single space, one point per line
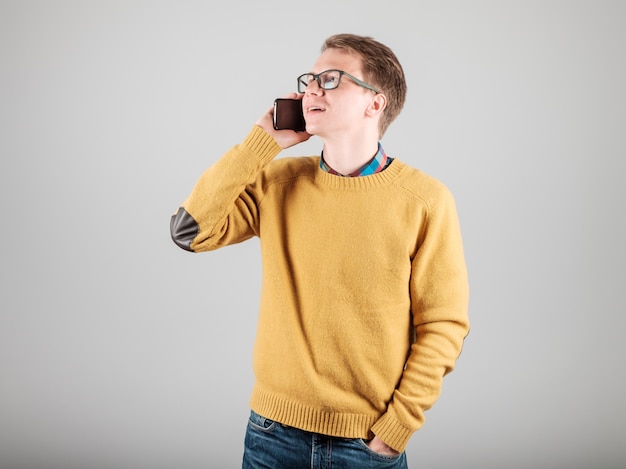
288 114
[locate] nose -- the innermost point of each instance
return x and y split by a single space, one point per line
314 88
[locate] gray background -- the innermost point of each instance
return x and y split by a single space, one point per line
119 350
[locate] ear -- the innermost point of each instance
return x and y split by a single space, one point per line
377 106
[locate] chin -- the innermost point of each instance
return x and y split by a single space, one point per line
311 129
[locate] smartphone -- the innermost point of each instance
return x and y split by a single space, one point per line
288 114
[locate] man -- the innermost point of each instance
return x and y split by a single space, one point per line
365 291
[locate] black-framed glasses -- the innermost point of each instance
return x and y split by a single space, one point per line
329 80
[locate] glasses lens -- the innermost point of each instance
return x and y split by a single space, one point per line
330 80
304 81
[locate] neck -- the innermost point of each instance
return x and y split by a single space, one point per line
346 156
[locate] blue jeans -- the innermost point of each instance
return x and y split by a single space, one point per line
271 445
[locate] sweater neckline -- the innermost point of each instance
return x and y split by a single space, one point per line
379 179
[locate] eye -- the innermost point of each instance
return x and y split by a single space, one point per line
329 81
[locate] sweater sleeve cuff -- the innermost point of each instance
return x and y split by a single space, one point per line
392 432
259 142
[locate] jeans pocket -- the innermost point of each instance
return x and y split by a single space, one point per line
383 457
258 422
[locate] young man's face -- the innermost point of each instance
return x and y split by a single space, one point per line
340 111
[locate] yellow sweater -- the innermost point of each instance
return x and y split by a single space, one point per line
364 296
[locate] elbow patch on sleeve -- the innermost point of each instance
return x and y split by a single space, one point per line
183 229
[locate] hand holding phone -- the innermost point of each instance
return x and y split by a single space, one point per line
288 115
